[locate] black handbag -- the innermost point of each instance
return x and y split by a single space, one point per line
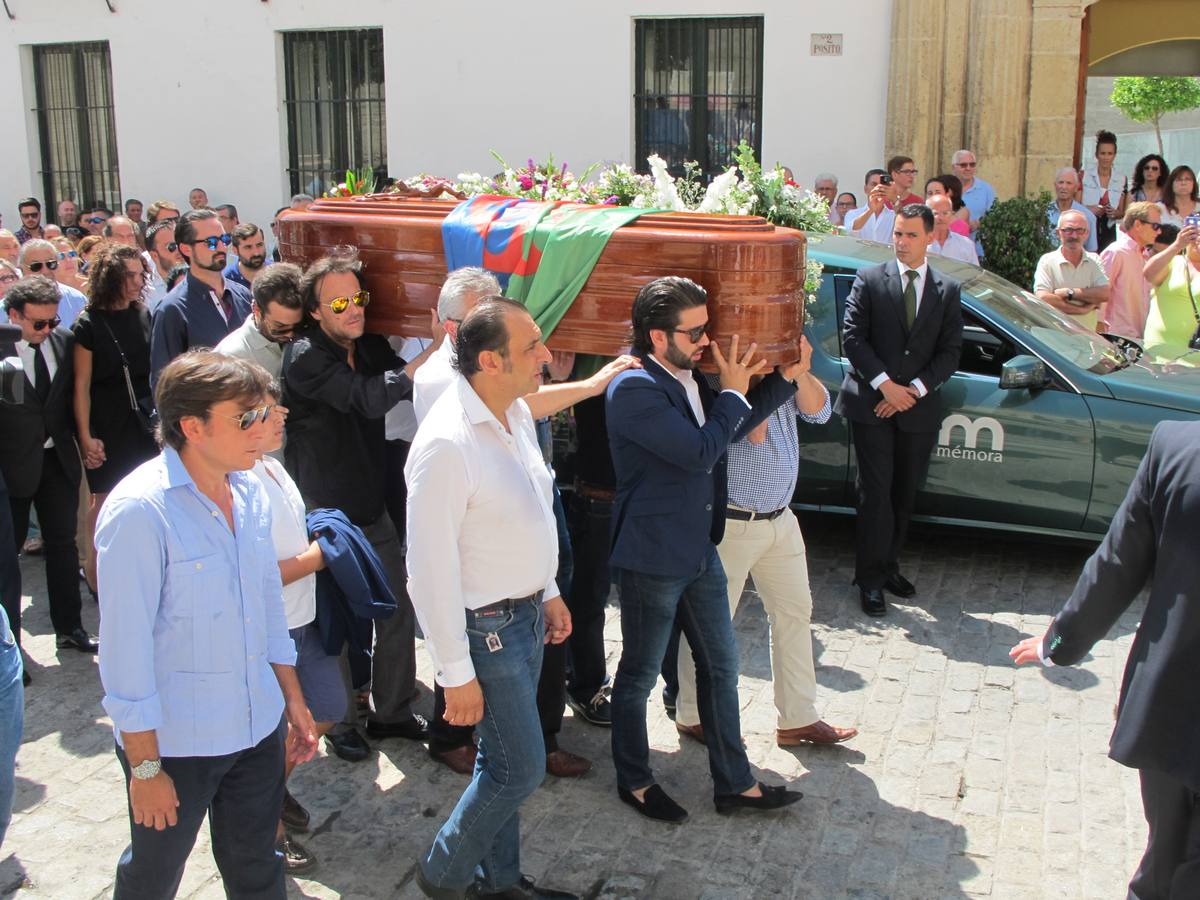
143 408
1194 343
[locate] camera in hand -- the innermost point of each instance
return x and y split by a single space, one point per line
885 179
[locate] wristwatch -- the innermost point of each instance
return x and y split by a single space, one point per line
147 769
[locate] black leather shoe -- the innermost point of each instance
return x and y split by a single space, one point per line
79 640
25 678
432 890
773 797
669 704
296 857
900 586
294 816
414 729
655 804
524 889
873 603
349 745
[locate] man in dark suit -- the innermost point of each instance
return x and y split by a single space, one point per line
1152 538
668 434
902 334
38 456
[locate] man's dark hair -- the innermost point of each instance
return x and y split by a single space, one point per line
484 328
342 259
658 305
99 208
194 382
106 275
228 208
870 172
31 289
133 200
278 284
896 163
244 231
155 230
918 211
178 271
1104 136
30 201
185 228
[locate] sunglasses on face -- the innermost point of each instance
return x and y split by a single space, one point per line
213 242
965 165
1155 225
40 324
37 266
1073 230
340 304
693 334
65 253
252 416
30 215
96 220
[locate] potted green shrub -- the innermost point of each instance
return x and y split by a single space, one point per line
1015 233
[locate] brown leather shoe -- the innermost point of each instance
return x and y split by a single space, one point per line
460 760
817 733
565 764
695 732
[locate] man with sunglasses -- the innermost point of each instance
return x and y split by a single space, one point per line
30 211
205 307
40 257
1123 261
977 195
338 387
1070 278
38 456
276 315
164 254
95 219
161 211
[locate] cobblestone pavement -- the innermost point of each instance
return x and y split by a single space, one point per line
969 778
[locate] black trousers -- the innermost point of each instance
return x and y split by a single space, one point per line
891 465
1170 869
551 690
57 504
10 567
395 456
591 583
242 795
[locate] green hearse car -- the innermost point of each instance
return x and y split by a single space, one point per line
1045 422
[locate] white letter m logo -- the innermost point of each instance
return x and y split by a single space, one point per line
971 431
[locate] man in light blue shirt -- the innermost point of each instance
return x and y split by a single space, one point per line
978 195
200 667
1066 184
39 257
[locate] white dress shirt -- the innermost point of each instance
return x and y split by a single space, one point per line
480 521
435 375
687 378
25 351
878 227
922 271
957 247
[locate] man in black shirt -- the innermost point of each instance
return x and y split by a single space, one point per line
338 386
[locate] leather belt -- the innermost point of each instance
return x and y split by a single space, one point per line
507 605
595 492
745 515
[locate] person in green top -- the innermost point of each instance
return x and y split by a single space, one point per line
1174 276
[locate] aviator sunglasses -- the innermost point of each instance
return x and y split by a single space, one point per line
216 240
251 416
340 304
40 324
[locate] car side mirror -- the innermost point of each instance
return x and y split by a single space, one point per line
1023 372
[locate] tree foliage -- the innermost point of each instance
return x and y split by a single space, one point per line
1149 98
1015 233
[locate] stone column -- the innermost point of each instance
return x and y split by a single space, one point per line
914 116
1053 90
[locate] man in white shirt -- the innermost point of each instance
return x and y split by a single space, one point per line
275 317
1071 279
946 242
874 221
483 553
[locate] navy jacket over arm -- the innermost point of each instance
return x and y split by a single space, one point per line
1152 538
352 589
671 472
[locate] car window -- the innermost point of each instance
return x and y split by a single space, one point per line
1042 322
829 309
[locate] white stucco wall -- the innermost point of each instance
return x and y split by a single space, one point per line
197 87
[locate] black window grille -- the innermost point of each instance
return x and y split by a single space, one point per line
73 86
336 110
698 90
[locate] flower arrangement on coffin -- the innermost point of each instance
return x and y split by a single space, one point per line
356 184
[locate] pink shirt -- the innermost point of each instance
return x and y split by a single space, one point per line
1129 293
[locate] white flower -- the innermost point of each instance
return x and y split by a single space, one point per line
665 195
716 198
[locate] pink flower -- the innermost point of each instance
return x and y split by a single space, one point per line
614 200
526 182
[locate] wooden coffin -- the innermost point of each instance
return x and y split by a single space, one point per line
753 271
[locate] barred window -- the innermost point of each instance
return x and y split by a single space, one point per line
73 85
698 90
336 110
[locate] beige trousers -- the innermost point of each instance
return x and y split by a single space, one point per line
773 551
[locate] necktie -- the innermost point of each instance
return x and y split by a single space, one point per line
41 374
910 299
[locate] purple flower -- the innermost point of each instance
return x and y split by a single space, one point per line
526 182
614 200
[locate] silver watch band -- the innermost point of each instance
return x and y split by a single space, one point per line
147 769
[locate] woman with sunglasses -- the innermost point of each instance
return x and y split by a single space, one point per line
951 186
112 379
1149 178
68 272
1180 199
1174 275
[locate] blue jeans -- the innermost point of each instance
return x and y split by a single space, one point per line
12 712
650 605
482 837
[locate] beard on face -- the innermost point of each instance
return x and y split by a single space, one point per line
678 358
255 261
216 264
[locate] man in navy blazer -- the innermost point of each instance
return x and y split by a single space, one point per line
902 334
669 434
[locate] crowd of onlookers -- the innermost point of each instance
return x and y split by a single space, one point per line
1128 260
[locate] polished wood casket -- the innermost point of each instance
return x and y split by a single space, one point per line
752 270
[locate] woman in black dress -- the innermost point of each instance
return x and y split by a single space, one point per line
112 378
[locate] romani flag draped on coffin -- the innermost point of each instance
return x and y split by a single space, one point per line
542 252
